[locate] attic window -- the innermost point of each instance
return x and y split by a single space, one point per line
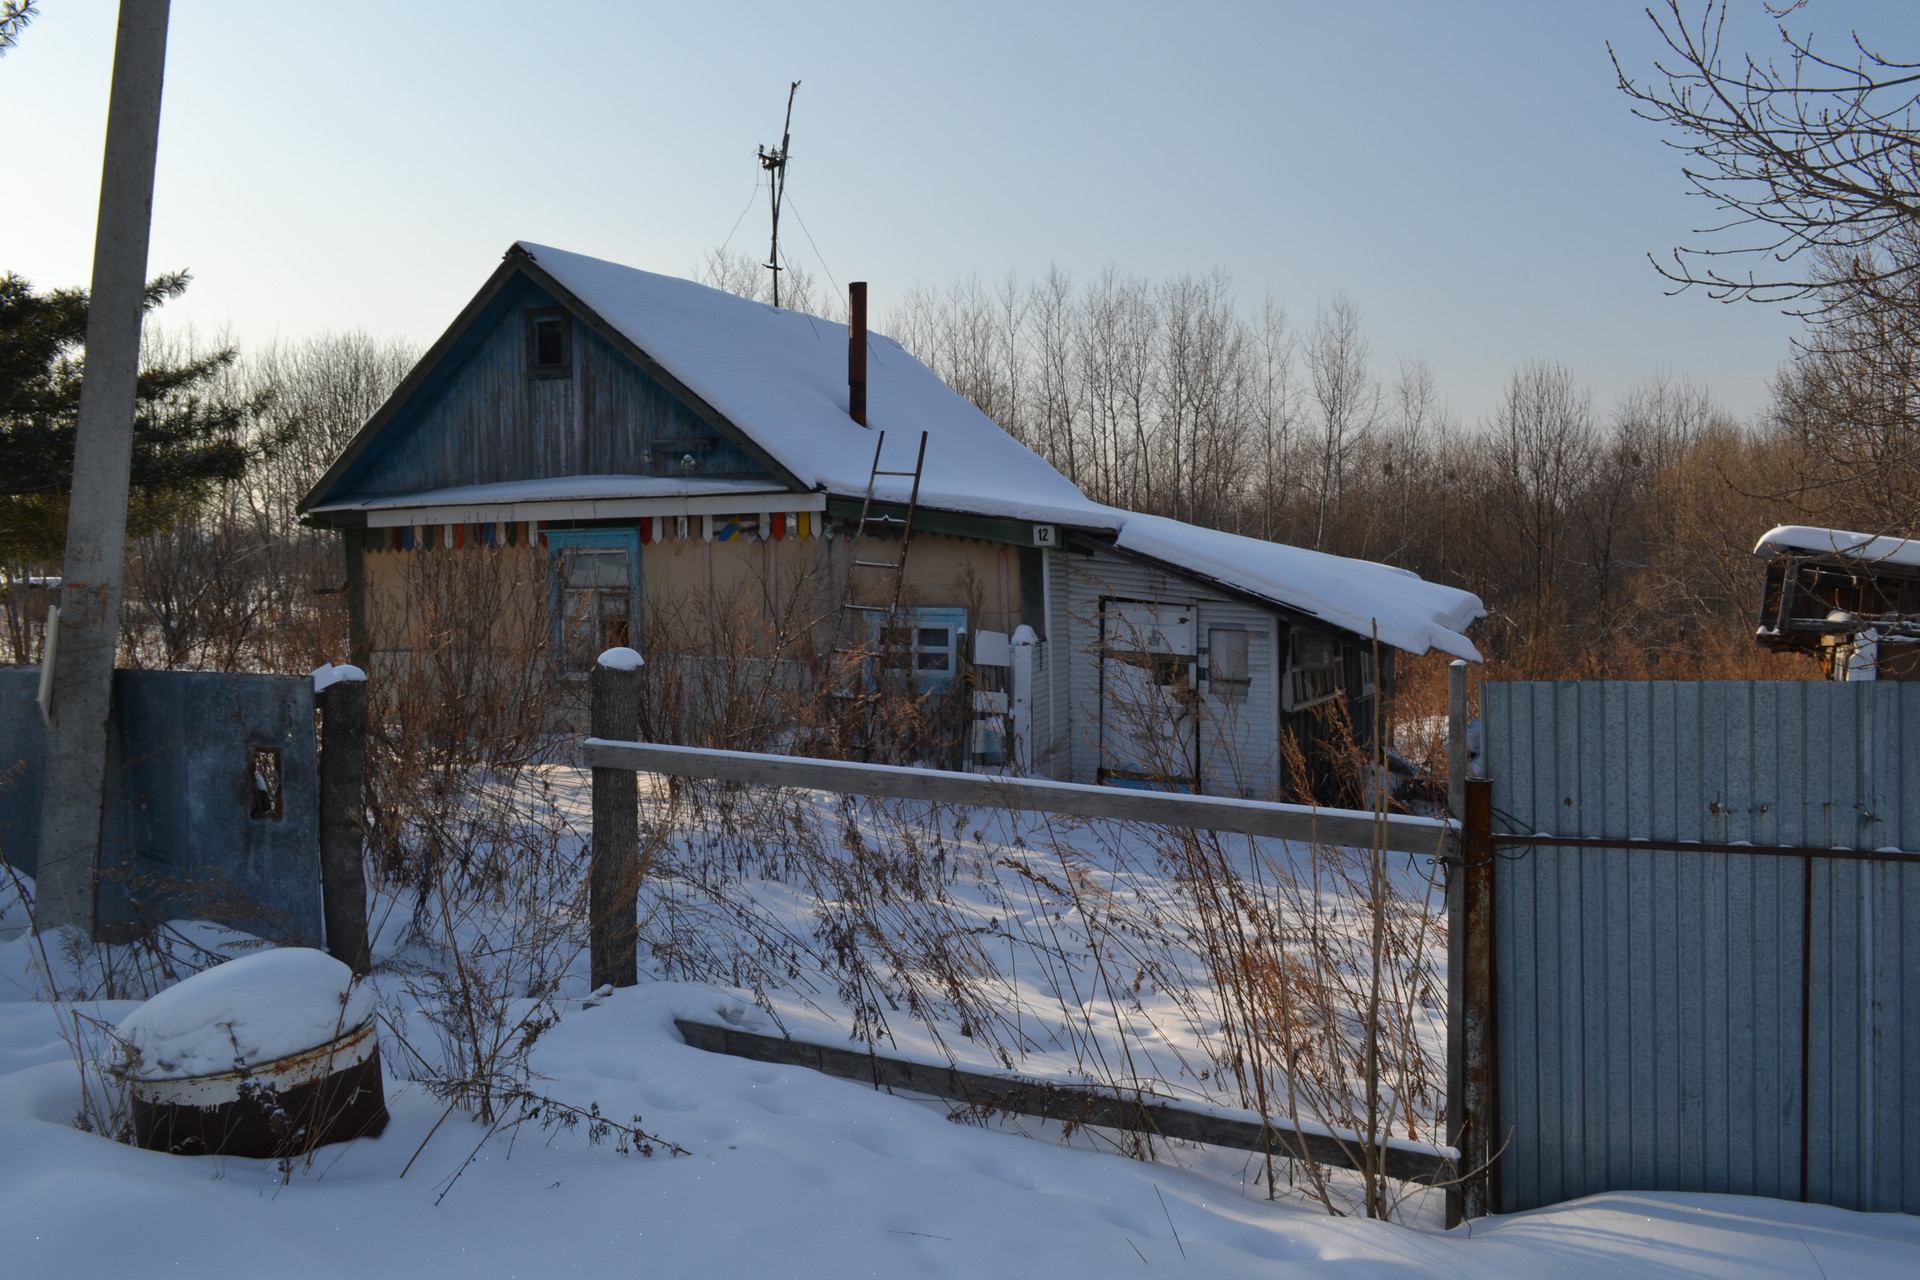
549 345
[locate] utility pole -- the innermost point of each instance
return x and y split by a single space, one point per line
89 619
775 163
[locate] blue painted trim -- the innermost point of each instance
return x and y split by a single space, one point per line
559 540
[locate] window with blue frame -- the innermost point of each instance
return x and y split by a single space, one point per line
926 643
595 583
936 647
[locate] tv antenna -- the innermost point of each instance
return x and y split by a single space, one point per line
775 163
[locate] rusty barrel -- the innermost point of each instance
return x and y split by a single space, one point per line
270 1055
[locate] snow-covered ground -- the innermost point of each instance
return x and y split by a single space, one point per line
790 1174
793 1173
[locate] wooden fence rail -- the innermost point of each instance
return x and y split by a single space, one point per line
1069 1104
1397 833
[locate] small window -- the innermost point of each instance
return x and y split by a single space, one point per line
1313 671
549 353
928 646
933 651
1227 677
269 801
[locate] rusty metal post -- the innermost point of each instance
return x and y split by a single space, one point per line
343 789
1479 1129
1457 762
613 877
857 351
74 792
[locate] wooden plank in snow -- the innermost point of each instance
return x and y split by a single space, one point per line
1067 1104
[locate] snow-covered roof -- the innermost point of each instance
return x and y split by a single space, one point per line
1412 614
781 376
1864 547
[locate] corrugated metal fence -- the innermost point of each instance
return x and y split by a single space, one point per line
1706 1021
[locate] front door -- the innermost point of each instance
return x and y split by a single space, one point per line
595 588
1148 699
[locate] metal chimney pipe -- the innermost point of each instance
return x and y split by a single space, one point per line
857 351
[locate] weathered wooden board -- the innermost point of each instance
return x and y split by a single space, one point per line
1394 832
1057 1102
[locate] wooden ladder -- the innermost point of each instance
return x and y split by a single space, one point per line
865 623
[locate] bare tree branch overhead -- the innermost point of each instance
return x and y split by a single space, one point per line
1813 158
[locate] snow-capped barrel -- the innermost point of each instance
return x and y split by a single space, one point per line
269 1055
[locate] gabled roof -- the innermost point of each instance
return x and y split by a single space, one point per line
776 381
781 377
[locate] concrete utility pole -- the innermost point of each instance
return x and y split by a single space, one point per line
71 804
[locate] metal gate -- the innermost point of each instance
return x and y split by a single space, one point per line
1149 722
1706 1019
212 806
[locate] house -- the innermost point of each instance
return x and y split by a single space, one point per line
1852 599
654 448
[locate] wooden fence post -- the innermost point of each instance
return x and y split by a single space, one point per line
343 790
1479 1134
613 880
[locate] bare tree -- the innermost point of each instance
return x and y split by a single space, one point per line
1814 159
743 274
239 583
1276 414
1653 427
1347 397
1543 438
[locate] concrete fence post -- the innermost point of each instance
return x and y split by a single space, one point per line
343 790
613 884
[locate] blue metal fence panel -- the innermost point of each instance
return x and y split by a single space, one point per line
1650 1004
179 835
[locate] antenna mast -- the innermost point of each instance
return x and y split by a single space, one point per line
775 163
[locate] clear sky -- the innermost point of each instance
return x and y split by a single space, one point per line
1466 173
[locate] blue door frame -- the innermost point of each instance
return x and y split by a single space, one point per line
560 540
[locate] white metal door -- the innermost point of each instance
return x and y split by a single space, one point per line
1148 709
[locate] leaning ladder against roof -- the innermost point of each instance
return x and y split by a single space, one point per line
865 624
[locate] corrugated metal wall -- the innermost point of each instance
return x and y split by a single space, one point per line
1648 1004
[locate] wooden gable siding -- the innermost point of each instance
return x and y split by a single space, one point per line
485 421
